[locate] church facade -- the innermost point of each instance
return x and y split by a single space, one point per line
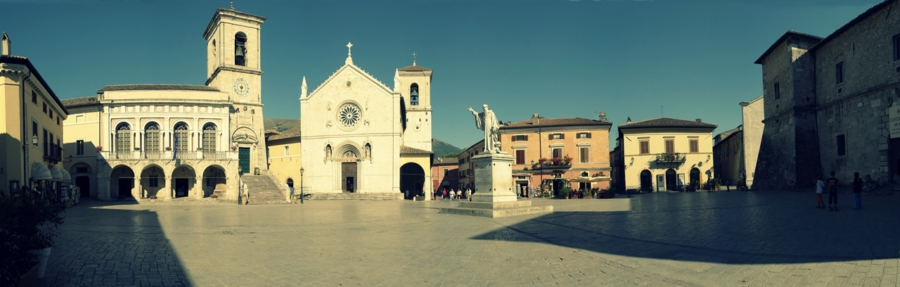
169 141
359 136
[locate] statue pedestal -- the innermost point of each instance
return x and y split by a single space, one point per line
494 193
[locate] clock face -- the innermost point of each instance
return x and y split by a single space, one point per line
348 115
241 87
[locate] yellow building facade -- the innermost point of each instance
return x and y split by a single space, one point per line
31 131
664 154
284 157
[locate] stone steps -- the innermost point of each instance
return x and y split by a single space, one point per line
356 196
263 190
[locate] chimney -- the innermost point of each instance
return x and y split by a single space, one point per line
602 116
699 121
535 119
6 45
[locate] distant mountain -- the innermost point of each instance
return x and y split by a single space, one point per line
439 147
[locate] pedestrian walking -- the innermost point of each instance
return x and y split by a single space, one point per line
458 195
469 194
857 191
444 195
820 187
832 184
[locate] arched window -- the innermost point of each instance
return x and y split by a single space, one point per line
214 47
209 139
151 138
123 138
181 137
414 94
240 49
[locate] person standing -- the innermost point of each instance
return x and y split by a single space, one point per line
820 187
469 194
832 184
857 191
458 195
444 195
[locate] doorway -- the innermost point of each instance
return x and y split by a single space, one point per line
646 181
84 184
244 159
695 178
125 185
348 173
181 187
671 180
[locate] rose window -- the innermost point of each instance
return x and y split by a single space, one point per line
348 115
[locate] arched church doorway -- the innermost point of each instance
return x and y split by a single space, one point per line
349 178
214 181
183 180
412 179
121 181
671 180
646 181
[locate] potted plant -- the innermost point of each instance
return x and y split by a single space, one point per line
565 192
28 223
168 148
99 148
233 148
556 161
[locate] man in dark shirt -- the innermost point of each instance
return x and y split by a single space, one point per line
832 184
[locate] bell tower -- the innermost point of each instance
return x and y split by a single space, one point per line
233 67
414 84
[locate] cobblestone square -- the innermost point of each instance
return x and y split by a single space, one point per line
675 239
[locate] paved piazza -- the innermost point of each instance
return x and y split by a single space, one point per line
676 239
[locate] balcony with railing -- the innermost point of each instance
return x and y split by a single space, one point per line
169 155
670 158
52 153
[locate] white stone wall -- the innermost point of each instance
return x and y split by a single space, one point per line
753 114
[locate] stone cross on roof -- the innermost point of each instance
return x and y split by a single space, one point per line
414 58
349 60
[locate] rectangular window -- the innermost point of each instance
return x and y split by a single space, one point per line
45 143
154 180
57 121
694 146
520 156
517 138
79 147
557 152
33 97
670 146
645 147
839 72
777 89
45 107
51 114
287 151
34 128
841 147
446 172
584 135
557 136
585 154
897 47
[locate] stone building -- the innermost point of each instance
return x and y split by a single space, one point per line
551 151
466 168
31 131
445 173
284 157
361 137
170 141
827 102
663 154
728 155
752 114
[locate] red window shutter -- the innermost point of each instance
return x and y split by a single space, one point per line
562 136
550 136
512 138
526 137
520 157
588 135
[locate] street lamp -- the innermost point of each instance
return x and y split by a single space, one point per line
301 185
34 140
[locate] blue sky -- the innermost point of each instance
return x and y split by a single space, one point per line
692 58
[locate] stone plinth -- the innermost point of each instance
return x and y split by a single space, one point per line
494 193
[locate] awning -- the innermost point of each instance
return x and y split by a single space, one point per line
55 173
39 171
66 177
590 179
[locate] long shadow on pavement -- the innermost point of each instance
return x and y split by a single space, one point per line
95 249
732 228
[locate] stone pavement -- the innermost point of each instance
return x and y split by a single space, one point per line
676 239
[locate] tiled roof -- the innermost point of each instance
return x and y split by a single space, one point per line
411 150
445 161
83 101
666 123
781 39
11 59
291 133
726 134
555 122
414 68
156 87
